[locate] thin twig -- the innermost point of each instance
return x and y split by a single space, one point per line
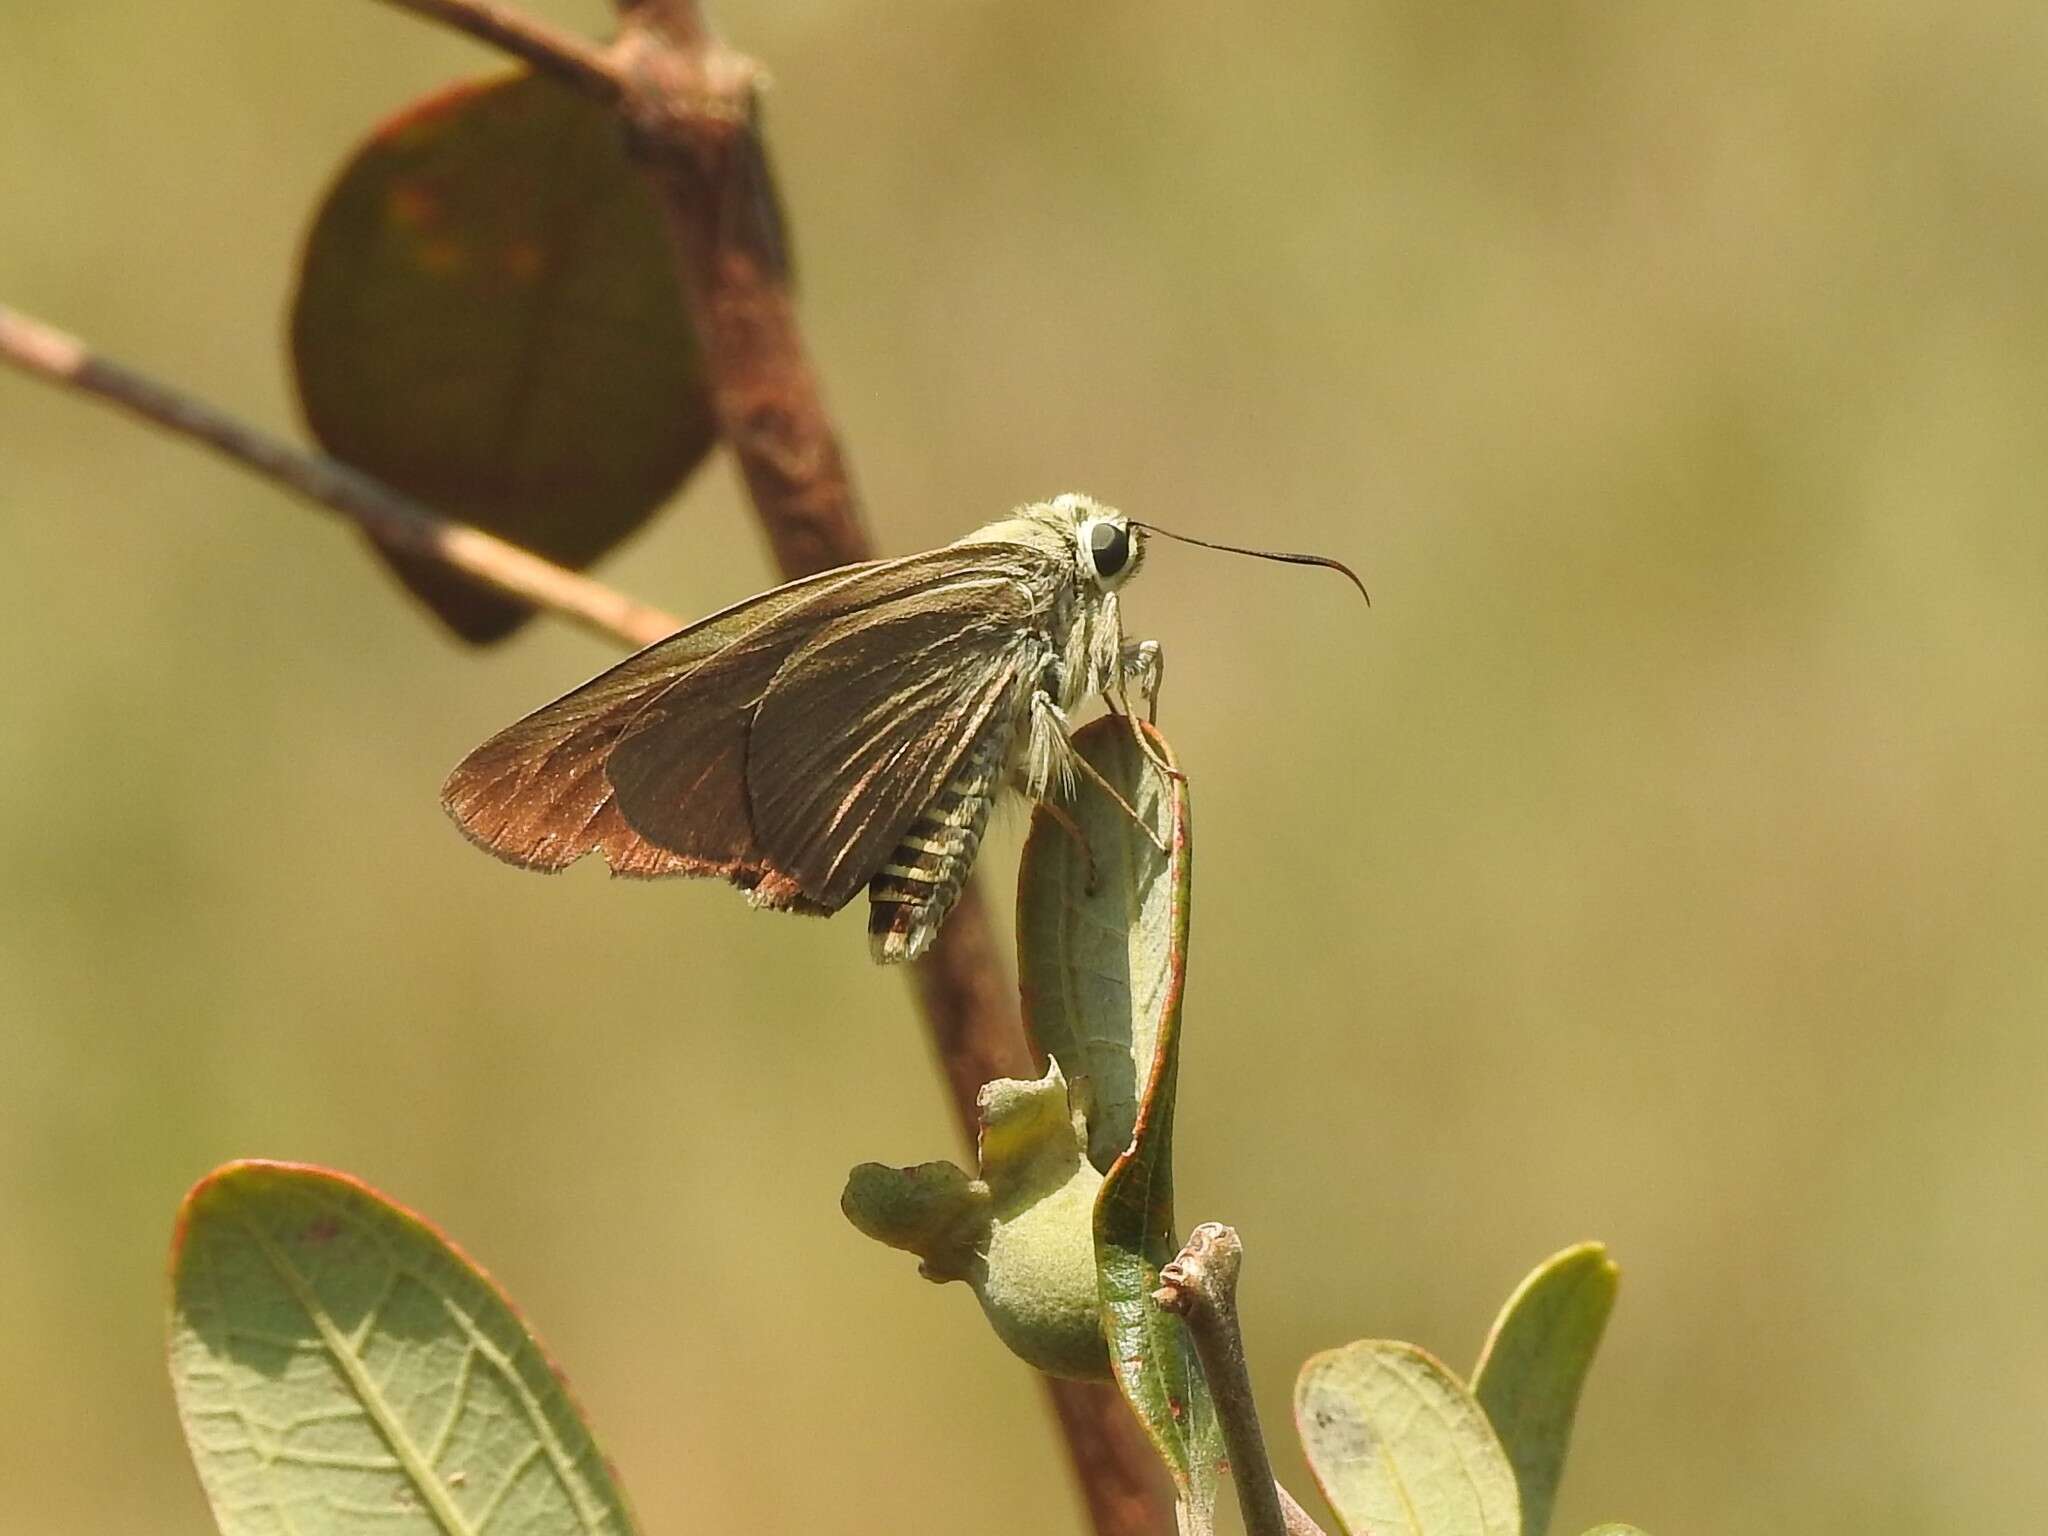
1201 1286
1299 1521
691 102
50 354
1120 1475
550 49
679 21
692 109
960 984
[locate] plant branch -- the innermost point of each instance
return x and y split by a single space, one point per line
1299 1521
691 103
47 353
1121 1477
1200 1285
577 60
680 22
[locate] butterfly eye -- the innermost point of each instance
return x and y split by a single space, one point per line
1109 546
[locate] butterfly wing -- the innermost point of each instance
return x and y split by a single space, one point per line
650 762
912 686
855 729
536 793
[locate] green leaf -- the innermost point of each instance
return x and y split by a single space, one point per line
488 317
341 1368
1022 1235
1102 968
1399 1447
1534 1366
1615 1528
1040 1287
937 1211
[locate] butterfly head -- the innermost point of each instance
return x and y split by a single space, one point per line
1108 548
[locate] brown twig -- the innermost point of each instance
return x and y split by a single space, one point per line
678 21
577 60
1200 1286
1121 1477
1299 1521
50 354
693 112
691 102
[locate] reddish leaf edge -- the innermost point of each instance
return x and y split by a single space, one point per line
226 1173
1166 1048
1417 1351
436 103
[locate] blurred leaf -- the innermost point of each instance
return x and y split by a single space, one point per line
1534 1365
488 317
1399 1447
1101 969
340 1367
1616 1529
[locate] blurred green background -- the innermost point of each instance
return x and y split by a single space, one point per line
1661 859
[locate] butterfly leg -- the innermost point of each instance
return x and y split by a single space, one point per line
1152 754
1142 662
1065 820
1046 715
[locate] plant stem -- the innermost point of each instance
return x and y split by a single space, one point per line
48 353
1200 1285
1299 1521
692 104
577 60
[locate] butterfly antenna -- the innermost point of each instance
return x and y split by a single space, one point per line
1265 554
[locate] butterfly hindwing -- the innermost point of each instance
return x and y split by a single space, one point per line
537 793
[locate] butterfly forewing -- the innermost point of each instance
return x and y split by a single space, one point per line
908 686
682 769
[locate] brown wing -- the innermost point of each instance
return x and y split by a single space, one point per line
536 793
864 725
684 770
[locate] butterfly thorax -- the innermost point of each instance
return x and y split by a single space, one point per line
1071 645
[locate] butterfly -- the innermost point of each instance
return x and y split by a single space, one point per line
849 731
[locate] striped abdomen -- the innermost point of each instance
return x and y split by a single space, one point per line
911 894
